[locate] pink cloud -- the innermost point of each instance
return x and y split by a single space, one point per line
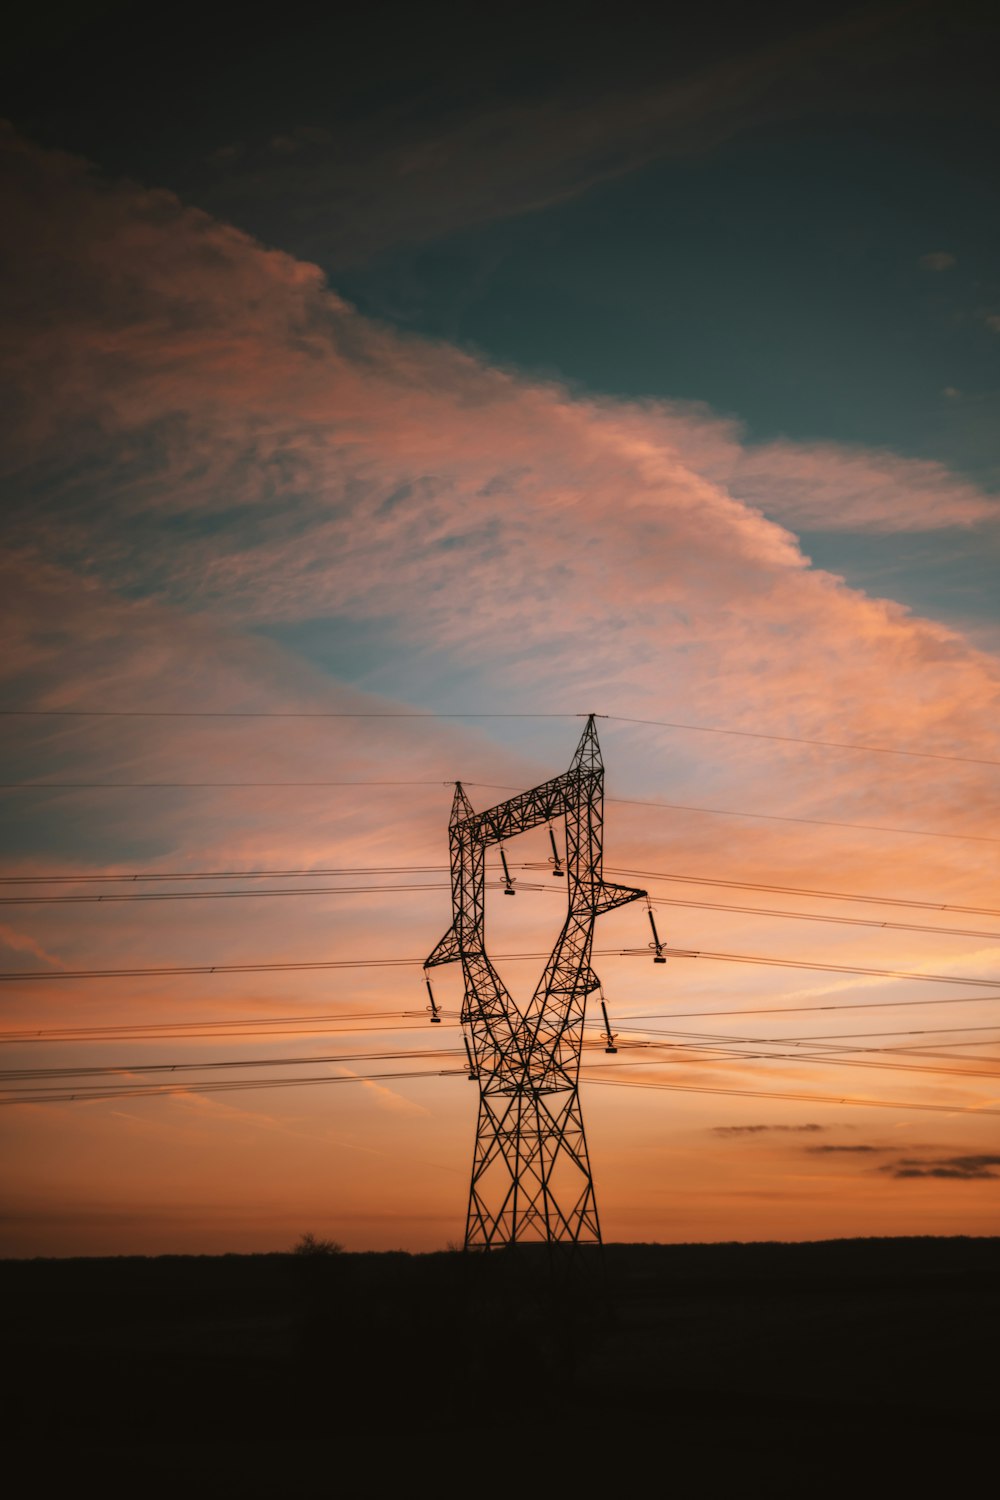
21 942
820 487
392 476
565 546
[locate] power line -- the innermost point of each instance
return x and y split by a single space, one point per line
797 739
728 812
264 968
720 812
354 890
688 1088
809 916
986 1041
71 1096
358 1015
832 1036
126 1035
400 963
819 1050
239 713
697 1046
196 1030
316 890
701 1050
320 1025
10 1075
317 1026
117 786
798 890
65 877
85 1094
797 963
171 1028
77 713
794 1010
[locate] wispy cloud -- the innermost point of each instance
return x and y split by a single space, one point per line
23 942
836 1150
824 487
948 1169
408 174
938 260
205 432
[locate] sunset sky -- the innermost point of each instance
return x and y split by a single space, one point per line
380 397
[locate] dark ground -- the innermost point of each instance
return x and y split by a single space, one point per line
710 1358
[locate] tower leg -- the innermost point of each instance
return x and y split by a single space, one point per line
531 1177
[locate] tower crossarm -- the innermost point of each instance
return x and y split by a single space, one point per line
542 804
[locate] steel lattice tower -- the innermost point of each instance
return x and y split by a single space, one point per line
531 1177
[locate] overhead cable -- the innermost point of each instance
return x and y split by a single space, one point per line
721 812
167 970
797 1097
591 1075
110 898
431 715
83 877
798 739
795 1010
87 1094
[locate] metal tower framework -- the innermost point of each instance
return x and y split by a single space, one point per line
531 1177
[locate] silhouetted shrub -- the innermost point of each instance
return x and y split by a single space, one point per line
310 1245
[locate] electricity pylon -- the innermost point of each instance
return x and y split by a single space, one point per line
531 1177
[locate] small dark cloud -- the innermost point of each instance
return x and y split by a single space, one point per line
948 1172
759 1129
960 1163
950 1168
829 1150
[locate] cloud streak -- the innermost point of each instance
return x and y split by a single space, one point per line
947 1169
837 1150
198 376
406 175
